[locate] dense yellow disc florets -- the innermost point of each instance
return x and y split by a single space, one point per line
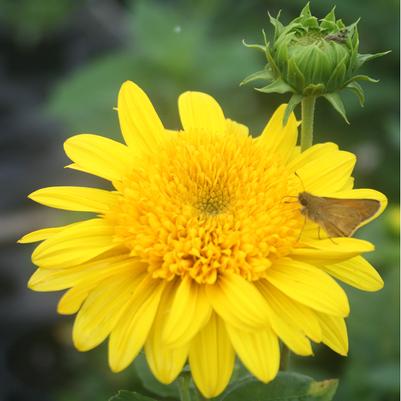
206 203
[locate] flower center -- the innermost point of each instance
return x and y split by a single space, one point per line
205 204
312 37
212 201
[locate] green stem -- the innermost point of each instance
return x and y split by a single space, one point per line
285 358
200 397
308 112
184 382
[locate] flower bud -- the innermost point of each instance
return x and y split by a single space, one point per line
311 57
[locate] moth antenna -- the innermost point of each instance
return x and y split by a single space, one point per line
300 179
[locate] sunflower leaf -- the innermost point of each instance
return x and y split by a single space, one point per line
254 46
149 381
277 86
363 58
358 91
286 387
335 100
264 74
294 101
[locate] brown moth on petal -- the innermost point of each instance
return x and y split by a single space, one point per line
338 217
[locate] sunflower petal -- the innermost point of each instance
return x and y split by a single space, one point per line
314 152
334 333
357 272
296 314
348 185
40 235
95 271
238 302
277 138
165 362
331 250
75 198
259 351
329 172
310 286
211 369
132 329
76 244
99 156
292 337
236 128
101 310
73 299
189 313
201 111
140 125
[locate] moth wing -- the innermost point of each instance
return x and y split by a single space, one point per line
343 216
336 229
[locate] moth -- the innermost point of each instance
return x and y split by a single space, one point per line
339 37
338 217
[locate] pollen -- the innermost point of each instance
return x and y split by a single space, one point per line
207 203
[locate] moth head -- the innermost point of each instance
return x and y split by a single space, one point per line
303 198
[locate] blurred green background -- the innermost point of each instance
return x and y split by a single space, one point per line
61 65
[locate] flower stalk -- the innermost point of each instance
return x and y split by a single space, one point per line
184 382
285 357
308 115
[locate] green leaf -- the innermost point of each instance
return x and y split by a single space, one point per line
311 22
278 86
306 11
278 26
294 101
272 64
358 91
337 77
328 26
363 78
285 387
331 16
323 390
254 46
335 100
264 74
296 74
265 38
149 381
124 395
363 58
340 24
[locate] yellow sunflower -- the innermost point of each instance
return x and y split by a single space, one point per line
198 253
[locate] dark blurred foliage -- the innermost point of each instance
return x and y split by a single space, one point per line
61 65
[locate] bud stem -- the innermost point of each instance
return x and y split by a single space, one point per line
308 113
184 381
285 357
